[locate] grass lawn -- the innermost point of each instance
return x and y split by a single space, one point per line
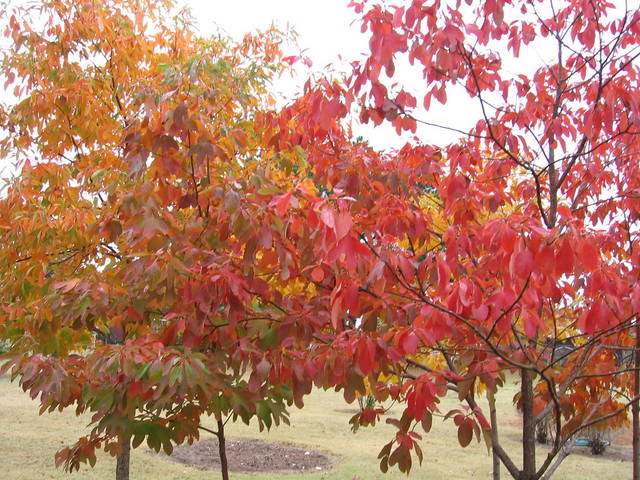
28 443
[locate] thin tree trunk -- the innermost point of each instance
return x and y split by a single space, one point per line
222 449
122 463
635 408
494 434
528 427
124 457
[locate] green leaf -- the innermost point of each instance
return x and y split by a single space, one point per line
98 175
269 339
175 374
143 370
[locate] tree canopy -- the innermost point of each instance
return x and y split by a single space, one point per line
175 245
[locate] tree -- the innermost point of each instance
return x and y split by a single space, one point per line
130 279
479 258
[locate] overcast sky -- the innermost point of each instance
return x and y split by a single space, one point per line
323 26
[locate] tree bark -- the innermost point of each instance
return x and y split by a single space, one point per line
528 427
123 460
635 407
494 434
222 450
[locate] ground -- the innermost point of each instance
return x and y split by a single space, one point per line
252 455
28 443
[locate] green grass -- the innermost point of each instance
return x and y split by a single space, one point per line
28 443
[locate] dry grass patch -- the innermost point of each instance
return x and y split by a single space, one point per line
28 443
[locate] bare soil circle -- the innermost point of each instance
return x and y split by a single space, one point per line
251 455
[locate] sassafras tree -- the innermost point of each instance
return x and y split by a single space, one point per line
142 240
450 266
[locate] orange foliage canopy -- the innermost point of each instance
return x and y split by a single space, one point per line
141 233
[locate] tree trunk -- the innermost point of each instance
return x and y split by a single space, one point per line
528 427
122 465
635 408
494 434
222 449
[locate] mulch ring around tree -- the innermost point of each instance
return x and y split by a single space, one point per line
251 456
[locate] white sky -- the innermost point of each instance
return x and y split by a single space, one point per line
323 29
323 26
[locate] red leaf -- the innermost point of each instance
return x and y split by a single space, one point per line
531 323
410 343
365 356
282 203
169 335
343 223
317 275
328 217
482 421
564 259
465 433
336 312
546 260
523 263
134 389
598 317
444 276
427 421
347 250
263 368
456 188
589 256
291 59
440 94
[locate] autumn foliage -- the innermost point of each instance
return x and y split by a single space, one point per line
146 188
489 254
175 246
